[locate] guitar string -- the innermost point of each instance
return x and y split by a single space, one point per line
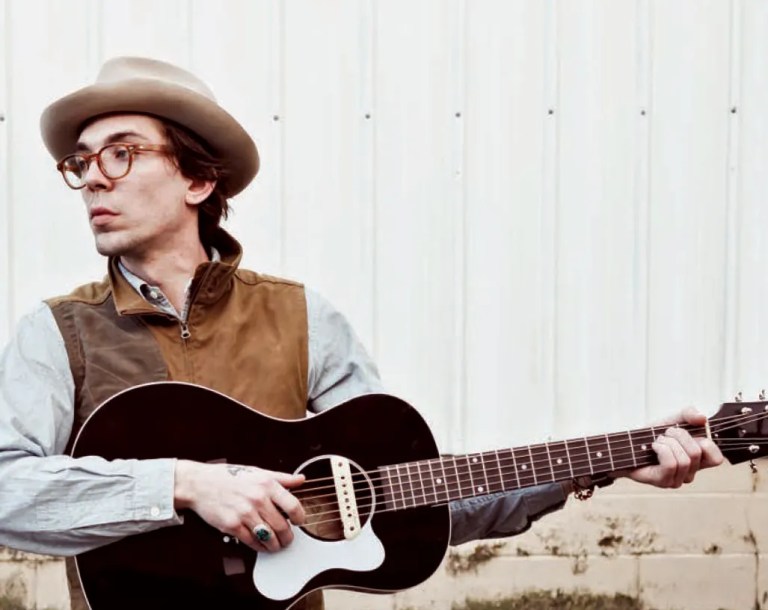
315 518
538 450
414 486
441 463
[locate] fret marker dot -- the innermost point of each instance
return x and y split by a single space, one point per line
525 466
474 460
599 454
439 481
643 447
559 460
480 489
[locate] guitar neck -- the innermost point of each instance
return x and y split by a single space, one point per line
448 478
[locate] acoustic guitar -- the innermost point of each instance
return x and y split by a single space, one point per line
376 494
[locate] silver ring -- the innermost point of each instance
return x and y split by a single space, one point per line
261 532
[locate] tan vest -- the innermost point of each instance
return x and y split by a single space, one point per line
238 321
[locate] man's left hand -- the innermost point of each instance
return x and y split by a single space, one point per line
680 455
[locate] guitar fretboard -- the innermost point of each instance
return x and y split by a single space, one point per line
448 478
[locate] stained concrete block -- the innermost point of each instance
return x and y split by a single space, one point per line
51 585
17 582
353 600
680 582
647 524
511 576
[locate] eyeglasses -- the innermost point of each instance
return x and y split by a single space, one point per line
115 161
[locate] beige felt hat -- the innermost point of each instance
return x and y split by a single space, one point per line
148 86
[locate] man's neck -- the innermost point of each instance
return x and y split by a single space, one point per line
170 271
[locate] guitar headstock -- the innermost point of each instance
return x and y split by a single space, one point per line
740 429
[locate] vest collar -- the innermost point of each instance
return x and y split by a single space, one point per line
211 279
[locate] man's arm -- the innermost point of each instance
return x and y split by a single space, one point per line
51 503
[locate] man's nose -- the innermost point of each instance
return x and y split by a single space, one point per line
94 178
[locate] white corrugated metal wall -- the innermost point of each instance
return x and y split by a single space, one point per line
543 217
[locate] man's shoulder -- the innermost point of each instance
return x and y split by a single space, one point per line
253 278
93 293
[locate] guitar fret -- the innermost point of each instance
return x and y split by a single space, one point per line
560 462
501 472
421 483
589 457
632 448
523 466
402 485
610 453
433 482
477 475
549 458
568 455
485 474
533 466
599 452
394 489
458 479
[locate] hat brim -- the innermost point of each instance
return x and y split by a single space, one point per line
62 121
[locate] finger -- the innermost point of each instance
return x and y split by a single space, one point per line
691 449
244 534
272 542
710 453
677 461
280 526
287 479
289 505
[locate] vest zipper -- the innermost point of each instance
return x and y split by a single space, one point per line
185 334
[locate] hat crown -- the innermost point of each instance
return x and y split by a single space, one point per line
121 69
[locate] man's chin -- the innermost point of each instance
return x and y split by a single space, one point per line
107 245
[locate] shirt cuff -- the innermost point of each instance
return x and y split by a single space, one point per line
153 493
503 514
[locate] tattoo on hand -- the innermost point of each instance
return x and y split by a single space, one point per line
236 470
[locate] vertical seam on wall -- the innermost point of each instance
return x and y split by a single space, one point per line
732 225
368 188
459 228
642 189
9 182
190 24
95 30
549 232
279 86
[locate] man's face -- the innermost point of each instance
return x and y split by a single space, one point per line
145 210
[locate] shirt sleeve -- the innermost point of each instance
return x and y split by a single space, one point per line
503 514
340 369
49 502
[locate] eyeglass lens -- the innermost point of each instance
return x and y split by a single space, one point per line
114 162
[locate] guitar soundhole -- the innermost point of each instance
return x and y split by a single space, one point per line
319 499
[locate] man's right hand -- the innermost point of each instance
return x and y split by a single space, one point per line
234 499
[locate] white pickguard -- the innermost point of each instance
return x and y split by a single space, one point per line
282 575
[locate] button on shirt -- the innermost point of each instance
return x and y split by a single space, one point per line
53 504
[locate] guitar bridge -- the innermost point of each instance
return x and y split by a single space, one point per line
345 496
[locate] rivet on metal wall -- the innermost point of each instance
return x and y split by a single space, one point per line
2 117
275 118
551 111
367 115
642 112
733 110
458 115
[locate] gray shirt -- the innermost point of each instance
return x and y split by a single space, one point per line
54 504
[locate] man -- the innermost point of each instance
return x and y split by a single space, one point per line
156 160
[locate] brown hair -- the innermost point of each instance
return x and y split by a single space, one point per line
196 161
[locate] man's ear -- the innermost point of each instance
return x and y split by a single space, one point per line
198 191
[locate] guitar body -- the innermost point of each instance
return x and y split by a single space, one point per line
194 565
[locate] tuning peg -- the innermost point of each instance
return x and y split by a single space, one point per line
762 395
738 397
